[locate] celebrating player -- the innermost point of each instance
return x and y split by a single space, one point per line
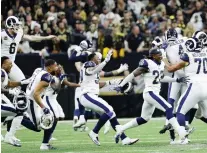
152 70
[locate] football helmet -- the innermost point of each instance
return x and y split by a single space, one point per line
171 35
157 42
21 102
46 121
201 36
13 22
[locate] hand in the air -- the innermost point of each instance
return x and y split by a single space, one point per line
108 56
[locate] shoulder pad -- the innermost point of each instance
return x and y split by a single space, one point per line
143 63
46 77
89 64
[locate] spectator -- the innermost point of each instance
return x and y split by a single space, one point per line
153 26
126 23
135 6
172 6
37 46
134 41
78 34
69 13
61 6
52 12
30 23
110 4
92 35
121 7
102 16
22 14
63 37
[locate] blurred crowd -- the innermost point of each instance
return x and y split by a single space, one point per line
124 25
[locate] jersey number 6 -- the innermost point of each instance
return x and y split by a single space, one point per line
12 48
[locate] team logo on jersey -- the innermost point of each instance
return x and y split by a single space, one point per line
5 38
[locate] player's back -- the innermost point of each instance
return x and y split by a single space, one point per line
9 44
197 68
89 83
173 52
153 76
41 76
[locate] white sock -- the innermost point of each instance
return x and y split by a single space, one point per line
166 122
130 124
16 123
75 117
186 123
82 117
175 124
45 144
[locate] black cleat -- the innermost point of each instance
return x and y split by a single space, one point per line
165 128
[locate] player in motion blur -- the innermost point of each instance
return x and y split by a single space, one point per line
194 63
10 39
39 113
80 54
152 70
89 81
8 108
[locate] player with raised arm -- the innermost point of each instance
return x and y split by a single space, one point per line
41 115
194 63
90 85
10 39
152 70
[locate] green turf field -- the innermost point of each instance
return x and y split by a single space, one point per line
79 142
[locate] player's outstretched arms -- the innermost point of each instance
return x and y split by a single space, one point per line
122 68
38 38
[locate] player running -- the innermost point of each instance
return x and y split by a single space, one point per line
152 70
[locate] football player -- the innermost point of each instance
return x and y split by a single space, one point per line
152 70
194 63
89 81
7 107
41 115
10 39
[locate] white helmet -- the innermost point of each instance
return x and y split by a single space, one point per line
84 44
13 22
21 102
201 36
193 45
46 121
157 42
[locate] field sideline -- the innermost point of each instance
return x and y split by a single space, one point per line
78 142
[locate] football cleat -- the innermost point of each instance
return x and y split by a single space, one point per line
173 142
79 124
183 141
94 137
16 139
165 128
47 147
10 140
107 127
128 141
116 138
53 139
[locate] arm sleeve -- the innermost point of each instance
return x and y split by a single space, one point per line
184 57
46 77
167 79
95 69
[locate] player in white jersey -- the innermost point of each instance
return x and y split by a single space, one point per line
152 70
89 78
51 93
39 114
7 107
194 63
10 39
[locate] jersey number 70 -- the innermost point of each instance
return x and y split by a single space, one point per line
201 61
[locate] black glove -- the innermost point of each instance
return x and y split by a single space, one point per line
46 111
183 80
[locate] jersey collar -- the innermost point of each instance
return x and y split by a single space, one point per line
158 63
10 34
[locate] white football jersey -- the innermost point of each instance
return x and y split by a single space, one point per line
53 88
89 83
197 68
4 79
173 52
41 76
153 75
9 44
